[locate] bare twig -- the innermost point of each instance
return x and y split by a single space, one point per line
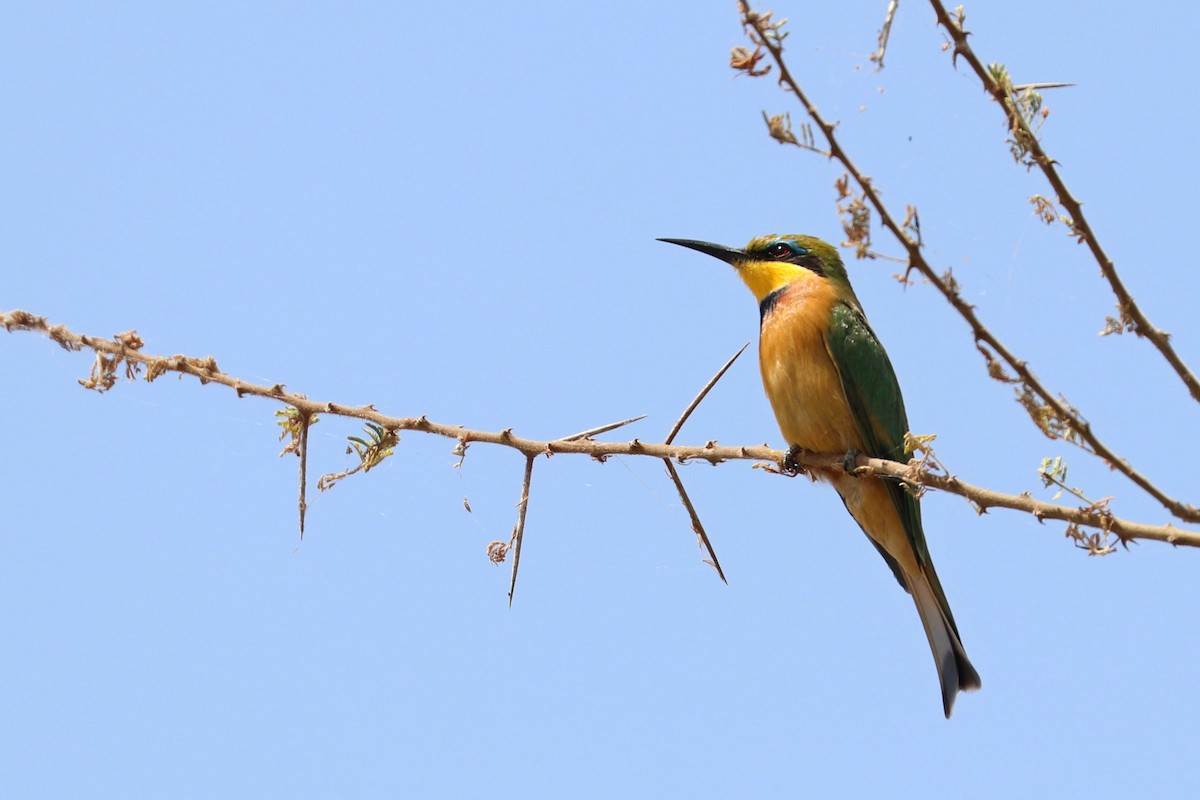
205 370
1131 316
766 34
884 33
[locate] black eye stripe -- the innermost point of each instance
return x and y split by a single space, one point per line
810 262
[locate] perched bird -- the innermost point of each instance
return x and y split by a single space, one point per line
833 390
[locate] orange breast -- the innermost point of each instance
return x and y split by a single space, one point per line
806 393
798 373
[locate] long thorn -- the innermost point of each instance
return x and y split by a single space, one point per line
687 412
601 429
1037 87
701 536
519 530
304 423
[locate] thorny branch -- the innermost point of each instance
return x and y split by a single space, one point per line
1043 406
116 352
1130 315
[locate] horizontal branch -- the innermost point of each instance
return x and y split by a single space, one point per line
125 348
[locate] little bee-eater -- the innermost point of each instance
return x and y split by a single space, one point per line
834 391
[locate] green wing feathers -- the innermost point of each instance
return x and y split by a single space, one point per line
874 395
869 381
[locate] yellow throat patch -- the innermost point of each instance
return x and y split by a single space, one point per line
764 277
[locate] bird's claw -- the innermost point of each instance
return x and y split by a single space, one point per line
789 460
848 463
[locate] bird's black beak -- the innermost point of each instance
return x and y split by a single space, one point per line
727 254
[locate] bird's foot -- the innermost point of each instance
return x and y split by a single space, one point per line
848 462
789 460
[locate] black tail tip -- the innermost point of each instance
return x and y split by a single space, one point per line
958 675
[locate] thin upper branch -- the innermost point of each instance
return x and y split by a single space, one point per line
118 351
1129 309
767 36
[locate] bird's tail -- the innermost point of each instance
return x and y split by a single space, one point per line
953 666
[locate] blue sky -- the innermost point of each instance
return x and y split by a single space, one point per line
453 213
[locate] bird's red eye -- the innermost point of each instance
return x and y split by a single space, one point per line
779 250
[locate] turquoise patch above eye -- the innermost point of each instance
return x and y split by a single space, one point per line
795 248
